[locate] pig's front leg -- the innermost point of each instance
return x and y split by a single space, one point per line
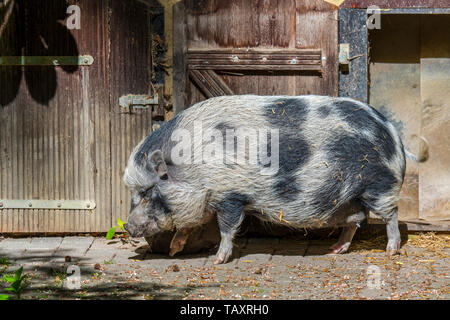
179 240
230 214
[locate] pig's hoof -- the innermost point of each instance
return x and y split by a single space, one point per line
393 247
338 248
222 258
174 251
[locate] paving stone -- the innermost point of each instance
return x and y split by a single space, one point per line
318 247
253 259
289 252
39 251
101 250
263 241
74 248
43 247
255 251
193 261
13 248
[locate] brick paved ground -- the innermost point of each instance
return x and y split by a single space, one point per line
261 269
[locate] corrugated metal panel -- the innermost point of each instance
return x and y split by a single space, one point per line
49 139
56 131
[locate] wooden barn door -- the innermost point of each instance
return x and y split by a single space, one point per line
252 46
63 137
131 78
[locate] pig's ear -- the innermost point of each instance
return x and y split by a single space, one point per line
158 163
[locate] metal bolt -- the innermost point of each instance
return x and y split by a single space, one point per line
294 61
59 205
30 204
88 205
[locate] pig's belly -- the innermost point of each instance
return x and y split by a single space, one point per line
297 217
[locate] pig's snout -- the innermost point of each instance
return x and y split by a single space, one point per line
137 231
131 229
128 228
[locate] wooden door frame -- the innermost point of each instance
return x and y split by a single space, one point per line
353 30
355 84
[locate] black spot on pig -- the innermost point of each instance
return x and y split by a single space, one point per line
155 141
324 111
230 210
287 187
134 202
384 183
288 115
223 128
359 167
361 119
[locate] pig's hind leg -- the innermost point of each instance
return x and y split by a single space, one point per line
388 211
393 233
230 213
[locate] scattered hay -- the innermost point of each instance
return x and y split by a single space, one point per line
430 241
375 244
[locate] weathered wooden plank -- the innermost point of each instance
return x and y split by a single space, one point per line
210 83
251 67
395 3
200 81
260 60
252 52
395 92
317 27
219 82
251 57
434 174
180 77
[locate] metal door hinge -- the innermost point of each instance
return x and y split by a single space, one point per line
86 60
48 204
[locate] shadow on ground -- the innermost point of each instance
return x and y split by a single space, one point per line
49 282
291 246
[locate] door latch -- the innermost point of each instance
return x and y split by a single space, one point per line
137 101
344 57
